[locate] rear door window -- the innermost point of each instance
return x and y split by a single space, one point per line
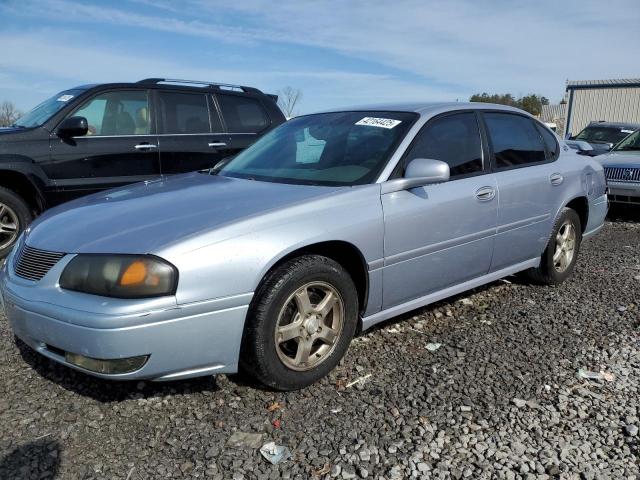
185 113
242 114
515 140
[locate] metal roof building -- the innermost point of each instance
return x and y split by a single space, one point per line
607 100
553 112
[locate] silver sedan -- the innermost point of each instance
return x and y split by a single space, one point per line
272 261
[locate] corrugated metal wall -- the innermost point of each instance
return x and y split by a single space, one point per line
609 104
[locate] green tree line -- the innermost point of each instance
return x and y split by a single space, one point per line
531 103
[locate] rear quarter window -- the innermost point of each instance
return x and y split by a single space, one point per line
550 142
243 114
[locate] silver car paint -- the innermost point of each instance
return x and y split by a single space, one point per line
622 159
224 234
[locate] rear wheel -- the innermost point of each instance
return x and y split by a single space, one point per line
14 218
559 258
300 324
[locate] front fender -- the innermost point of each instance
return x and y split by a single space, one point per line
236 265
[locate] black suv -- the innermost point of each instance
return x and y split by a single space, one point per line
94 137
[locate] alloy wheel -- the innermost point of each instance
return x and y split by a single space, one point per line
565 247
9 226
309 326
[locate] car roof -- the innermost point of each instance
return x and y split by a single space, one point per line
424 108
189 85
634 126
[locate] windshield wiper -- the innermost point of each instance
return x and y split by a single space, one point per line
15 125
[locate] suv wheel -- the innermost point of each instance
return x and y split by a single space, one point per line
14 218
559 258
300 324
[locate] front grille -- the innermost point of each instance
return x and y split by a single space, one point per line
622 174
33 264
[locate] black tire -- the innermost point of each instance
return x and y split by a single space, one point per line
21 211
546 273
259 357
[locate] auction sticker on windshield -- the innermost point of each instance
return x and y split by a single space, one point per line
64 98
379 122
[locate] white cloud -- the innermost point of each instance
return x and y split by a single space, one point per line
494 46
76 63
435 50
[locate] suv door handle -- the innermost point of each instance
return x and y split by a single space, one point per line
556 179
145 146
217 144
485 194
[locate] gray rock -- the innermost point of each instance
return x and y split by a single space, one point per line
631 430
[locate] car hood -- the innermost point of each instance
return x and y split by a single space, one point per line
6 130
620 159
145 217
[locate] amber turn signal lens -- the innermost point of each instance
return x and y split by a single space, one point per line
135 274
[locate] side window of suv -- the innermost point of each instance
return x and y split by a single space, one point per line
515 140
121 112
182 113
242 114
454 139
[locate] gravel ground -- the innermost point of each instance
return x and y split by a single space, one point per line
501 398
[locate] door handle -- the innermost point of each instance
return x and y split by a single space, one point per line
145 146
217 144
556 179
485 194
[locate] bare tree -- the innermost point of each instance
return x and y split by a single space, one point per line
8 113
288 98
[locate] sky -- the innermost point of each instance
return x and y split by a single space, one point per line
338 53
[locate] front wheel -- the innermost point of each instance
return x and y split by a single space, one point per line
559 258
14 218
300 323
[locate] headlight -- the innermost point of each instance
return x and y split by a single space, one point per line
121 276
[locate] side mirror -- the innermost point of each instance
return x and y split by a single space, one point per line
579 145
73 127
419 172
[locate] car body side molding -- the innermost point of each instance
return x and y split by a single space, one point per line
371 320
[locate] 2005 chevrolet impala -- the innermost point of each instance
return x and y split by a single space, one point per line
329 224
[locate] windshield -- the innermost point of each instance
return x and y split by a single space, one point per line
632 142
603 134
46 109
344 148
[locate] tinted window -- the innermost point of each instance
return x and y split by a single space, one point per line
454 139
123 112
632 142
550 142
184 113
341 148
515 140
598 134
242 114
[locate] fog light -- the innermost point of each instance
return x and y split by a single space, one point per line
120 365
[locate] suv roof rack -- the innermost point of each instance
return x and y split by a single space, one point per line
219 86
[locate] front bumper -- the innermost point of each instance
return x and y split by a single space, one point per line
624 192
181 341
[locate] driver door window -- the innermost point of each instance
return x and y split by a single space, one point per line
122 112
454 139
